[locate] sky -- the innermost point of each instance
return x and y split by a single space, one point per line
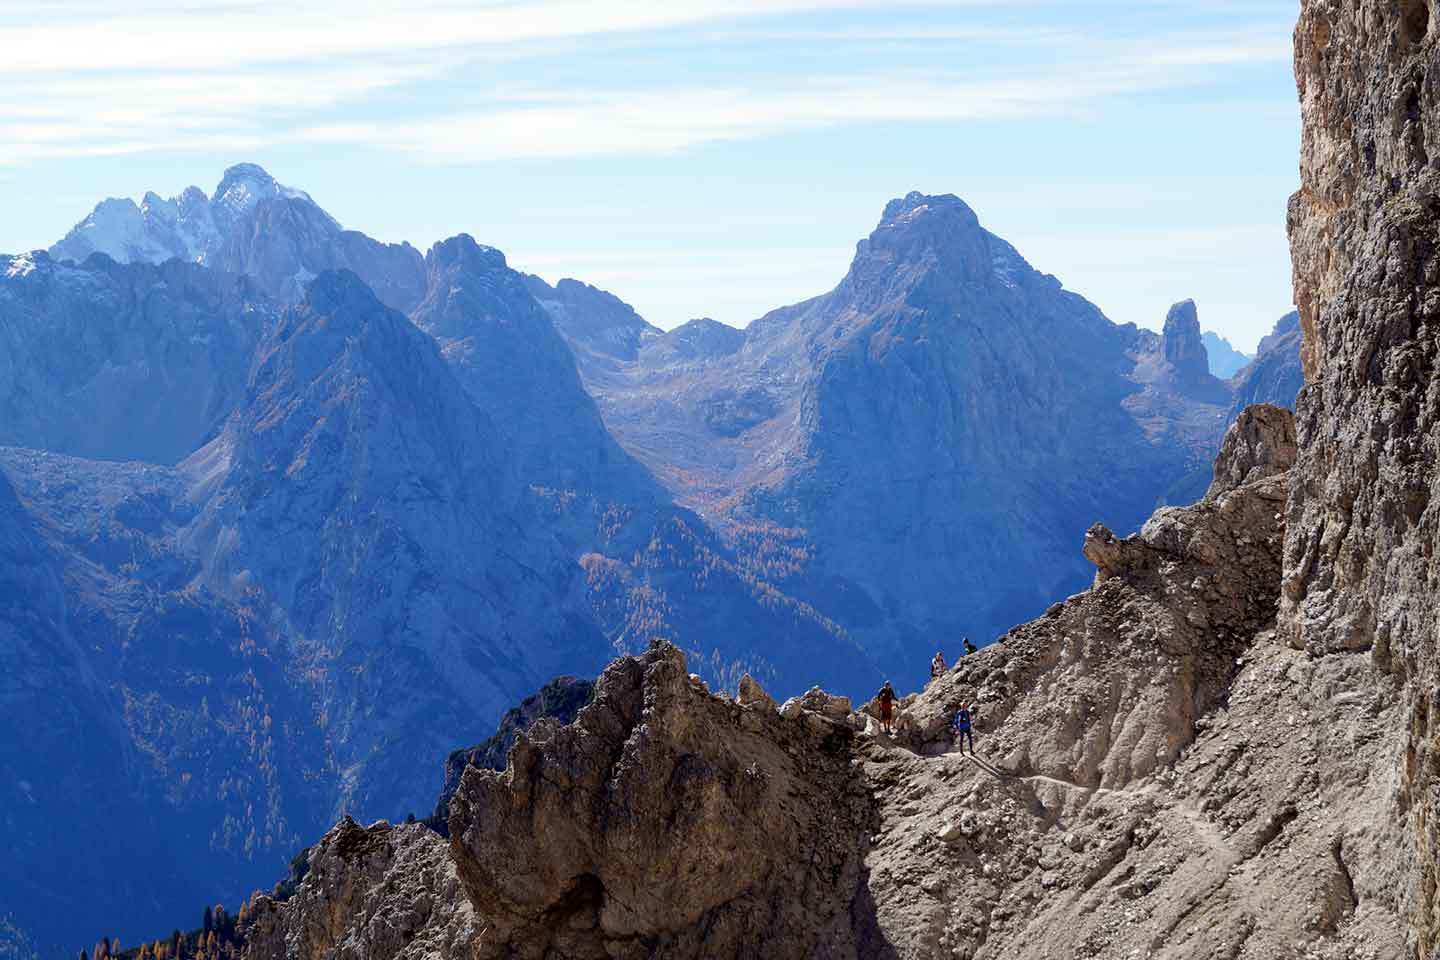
695 157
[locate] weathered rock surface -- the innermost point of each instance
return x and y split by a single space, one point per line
1364 518
558 701
1183 346
370 893
666 822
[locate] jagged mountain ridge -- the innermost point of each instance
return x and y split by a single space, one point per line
370 507
252 225
881 420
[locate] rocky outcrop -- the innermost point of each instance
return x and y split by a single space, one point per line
370 893
1363 517
1260 444
1181 342
667 822
558 701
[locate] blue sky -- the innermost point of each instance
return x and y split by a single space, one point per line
695 157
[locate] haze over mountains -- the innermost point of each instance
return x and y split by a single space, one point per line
288 513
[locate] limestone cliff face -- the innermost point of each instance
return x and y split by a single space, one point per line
1360 569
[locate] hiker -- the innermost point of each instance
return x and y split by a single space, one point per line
937 666
886 696
969 647
961 726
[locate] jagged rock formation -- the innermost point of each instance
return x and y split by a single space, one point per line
1183 347
1158 776
251 225
1223 359
563 854
1360 578
370 893
559 700
593 320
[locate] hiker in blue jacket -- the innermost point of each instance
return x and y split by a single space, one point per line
961 726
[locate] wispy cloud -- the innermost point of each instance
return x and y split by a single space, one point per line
225 35
638 122
226 75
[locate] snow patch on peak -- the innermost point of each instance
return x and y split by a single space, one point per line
20 266
242 187
190 226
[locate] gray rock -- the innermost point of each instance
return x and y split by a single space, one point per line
752 694
1362 520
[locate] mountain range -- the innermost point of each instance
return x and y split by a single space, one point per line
287 513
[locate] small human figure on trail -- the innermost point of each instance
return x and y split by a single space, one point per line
961 725
937 666
886 696
969 647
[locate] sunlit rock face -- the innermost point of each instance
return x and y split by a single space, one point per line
1360 573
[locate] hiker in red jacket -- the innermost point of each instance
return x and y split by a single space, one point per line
886 697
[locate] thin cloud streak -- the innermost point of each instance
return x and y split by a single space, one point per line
624 122
234 79
228 37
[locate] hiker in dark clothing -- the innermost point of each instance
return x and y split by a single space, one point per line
961 726
969 647
937 666
886 696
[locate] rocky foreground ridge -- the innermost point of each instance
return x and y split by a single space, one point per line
1158 776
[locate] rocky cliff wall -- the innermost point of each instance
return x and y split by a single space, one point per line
1360 567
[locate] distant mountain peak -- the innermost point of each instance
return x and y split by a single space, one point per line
1224 359
461 250
334 289
1184 348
